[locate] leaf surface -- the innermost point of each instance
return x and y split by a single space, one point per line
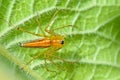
92 44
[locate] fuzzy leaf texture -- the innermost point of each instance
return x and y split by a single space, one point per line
92 43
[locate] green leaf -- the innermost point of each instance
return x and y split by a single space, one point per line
92 44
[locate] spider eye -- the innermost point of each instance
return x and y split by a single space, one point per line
62 42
